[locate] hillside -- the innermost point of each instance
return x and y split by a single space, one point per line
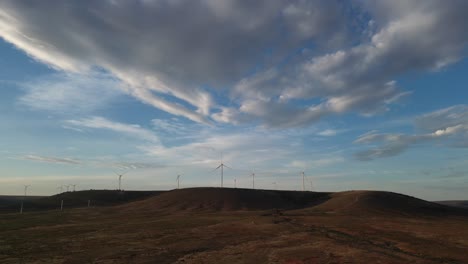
350 202
214 225
381 202
226 199
455 203
74 199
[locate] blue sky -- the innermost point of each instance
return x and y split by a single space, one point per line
357 94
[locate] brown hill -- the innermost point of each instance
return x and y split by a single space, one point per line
350 202
226 199
9 204
455 203
380 202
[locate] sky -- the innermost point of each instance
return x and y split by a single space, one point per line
356 94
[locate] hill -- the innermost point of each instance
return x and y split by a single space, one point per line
381 202
74 199
350 202
226 199
455 203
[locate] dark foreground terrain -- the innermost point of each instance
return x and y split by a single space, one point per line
212 225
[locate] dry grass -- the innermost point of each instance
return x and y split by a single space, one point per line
113 235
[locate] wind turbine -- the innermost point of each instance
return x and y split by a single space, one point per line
253 180
25 193
120 179
73 185
303 182
26 190
222 165
178 181
68 187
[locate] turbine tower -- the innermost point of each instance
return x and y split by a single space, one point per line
68 187
253 180
178 181
222 165
120 179
26 190
25 193
303 182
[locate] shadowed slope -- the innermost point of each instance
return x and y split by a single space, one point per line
455 203
226 199
380 202
75 199
350 202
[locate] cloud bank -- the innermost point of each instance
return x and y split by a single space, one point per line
277 63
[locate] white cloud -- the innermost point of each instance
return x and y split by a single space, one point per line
316 162
244 53
70 93
132 130
327 133
449 124
125 39
45 159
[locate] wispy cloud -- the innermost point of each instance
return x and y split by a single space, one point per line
133 130
444 124
56 160
64 93
328 133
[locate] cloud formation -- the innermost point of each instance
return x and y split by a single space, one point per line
132 130
70 93
56 160
448 125
278 63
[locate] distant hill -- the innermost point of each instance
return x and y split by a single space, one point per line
226 199
350 202
359 203
381 202
455 203
73 199
8 202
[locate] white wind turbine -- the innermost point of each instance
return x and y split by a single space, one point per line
178 181
25 193
222 165
253 180
120 179
303 181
